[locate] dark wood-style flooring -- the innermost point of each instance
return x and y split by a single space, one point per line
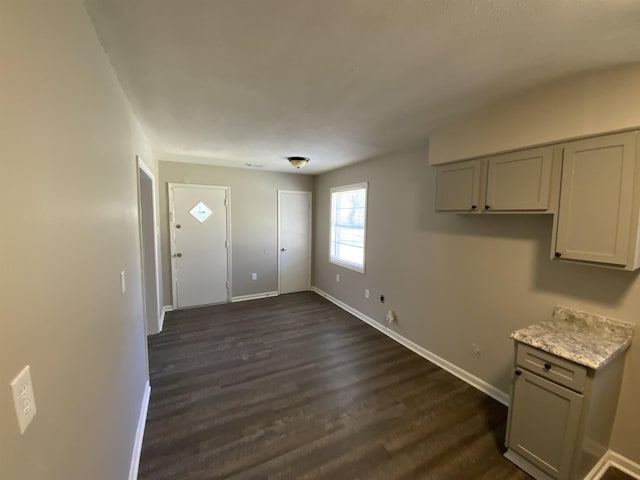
293 387
615 474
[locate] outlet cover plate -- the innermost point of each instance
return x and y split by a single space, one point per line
23 398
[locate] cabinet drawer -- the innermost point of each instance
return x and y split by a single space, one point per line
556 369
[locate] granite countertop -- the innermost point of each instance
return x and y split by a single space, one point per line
584 338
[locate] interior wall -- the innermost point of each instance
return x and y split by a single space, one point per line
578 106
254 220
457 280
70 226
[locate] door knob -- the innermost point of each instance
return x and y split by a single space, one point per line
518 372
179 255
283 249
178 226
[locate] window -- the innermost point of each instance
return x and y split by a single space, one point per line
348 226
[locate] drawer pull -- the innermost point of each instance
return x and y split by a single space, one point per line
547 366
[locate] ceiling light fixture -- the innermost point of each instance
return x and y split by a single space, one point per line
298 162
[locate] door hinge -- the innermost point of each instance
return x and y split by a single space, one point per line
226 203
226 285
226 244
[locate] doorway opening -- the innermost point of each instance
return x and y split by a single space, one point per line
149 248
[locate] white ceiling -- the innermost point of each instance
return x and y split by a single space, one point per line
229 82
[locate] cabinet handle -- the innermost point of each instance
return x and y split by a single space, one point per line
473 207
487 207
547 366
518 372
558 254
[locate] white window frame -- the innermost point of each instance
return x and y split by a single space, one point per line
337 261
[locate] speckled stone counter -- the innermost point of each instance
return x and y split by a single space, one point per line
584 338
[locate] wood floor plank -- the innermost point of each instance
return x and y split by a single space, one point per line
613 473
292 387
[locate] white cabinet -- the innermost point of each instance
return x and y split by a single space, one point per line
544 425
561 414
517 181
597 220
592 186
458 186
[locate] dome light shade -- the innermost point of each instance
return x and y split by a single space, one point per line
298 162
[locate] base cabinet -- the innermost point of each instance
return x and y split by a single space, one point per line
547 440
561 414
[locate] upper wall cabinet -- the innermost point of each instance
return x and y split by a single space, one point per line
598 215
518 181
458 186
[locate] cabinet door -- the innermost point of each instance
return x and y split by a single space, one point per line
544 423
519 180
596 198
458 186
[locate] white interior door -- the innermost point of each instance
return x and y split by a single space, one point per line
200 254
294 241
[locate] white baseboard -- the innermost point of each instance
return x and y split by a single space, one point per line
137 444
469 378
165 309
254 296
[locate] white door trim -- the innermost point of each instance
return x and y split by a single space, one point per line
141 165
309 233
172 239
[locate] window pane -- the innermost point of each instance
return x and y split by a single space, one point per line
351 254
350 216
348 225
350 236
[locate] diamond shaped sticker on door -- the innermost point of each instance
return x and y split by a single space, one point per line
200 212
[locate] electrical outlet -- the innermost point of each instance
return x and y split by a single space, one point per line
254 276
123 282
23 398
475 351
337 277
366 293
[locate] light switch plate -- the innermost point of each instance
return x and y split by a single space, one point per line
23 398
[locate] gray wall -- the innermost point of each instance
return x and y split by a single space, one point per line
455 280
254 220
69 226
